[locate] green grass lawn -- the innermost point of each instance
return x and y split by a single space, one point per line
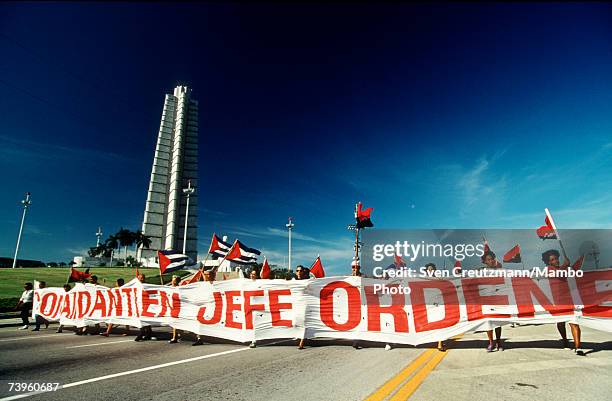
12 280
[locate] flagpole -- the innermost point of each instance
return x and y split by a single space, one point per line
289 226
554 226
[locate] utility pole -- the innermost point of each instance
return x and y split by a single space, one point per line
289 226
188 192
26 203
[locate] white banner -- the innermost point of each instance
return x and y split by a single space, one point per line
409 311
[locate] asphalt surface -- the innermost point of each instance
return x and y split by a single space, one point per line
117 368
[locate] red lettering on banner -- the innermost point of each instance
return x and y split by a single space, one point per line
419 304
326 303
100 304
593 299
67 309
396 309
174 306
115 306
82 309
148 301
128 295
216 318
525 289
45 303
474 301
230 308
59 304
276 307
249 307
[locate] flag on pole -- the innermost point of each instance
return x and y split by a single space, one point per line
242 254
218 247
170 261
362 216
547 231
513 255
578 264
78 276
317 268
265 269
197 276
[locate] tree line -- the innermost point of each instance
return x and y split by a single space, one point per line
123 238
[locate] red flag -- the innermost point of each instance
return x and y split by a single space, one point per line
578 264
398 261
234 252
195 278
486 247
457 264
546 231
363 216
76 276
265 269
513 255
317 268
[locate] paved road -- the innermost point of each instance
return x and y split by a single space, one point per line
117 368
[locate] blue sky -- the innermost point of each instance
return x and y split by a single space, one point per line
447 116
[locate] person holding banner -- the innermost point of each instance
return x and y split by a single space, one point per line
61 326
490 261
301 273
109 326
431 272
146 333
37 318
175 333
551 259
25 304
209 276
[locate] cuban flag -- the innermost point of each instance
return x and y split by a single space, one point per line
242 254
170 261
218 248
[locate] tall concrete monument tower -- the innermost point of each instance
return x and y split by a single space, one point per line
175 164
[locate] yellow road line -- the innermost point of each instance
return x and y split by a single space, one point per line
410 387
396 380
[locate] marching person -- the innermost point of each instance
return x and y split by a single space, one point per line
209 276
301 273
551 259
146 333
431 272
254 277
109 326
38 320
61 326
176 280
25 304
490 261
356 272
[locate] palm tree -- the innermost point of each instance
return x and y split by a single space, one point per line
142 240
110 245
126 238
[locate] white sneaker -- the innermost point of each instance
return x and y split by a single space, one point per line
578 351
388 347
24 327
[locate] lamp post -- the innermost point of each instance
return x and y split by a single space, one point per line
26 203
289 226
188 192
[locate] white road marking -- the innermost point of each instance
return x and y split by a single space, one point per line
29 337
129 372
105 343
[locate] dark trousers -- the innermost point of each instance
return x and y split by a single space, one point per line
26 308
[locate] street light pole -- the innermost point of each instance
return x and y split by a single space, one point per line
26 203
289 227
188 192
